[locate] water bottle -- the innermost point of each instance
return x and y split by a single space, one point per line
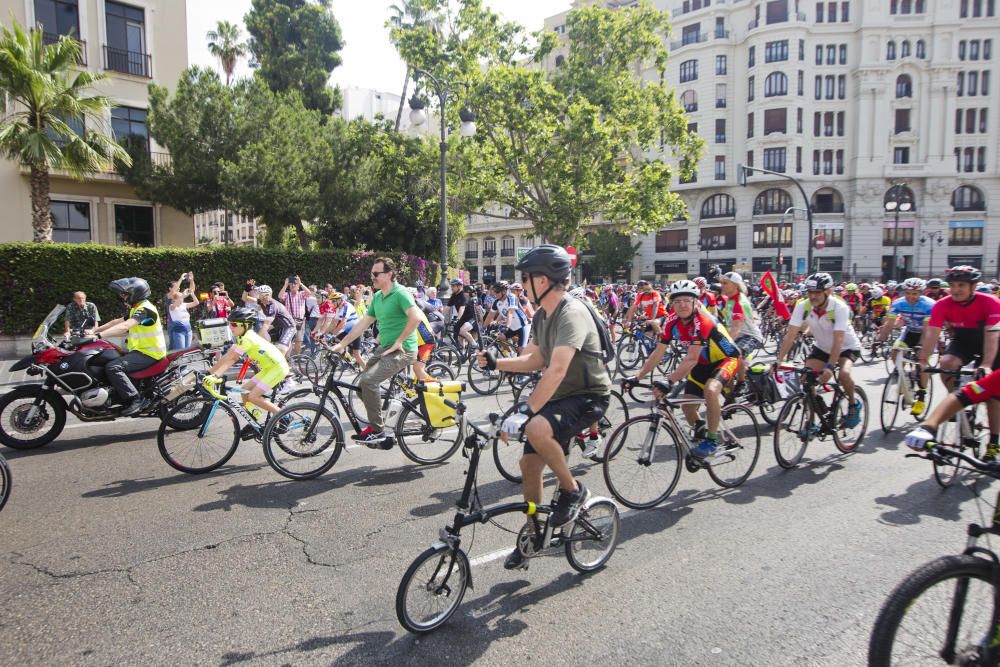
392 414
256 412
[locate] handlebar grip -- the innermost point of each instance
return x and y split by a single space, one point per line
451 404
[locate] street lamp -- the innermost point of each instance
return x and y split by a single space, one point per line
708 243
418 116
930 238
896 200
743 170
781 236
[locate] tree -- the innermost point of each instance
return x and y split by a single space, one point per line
296 43
612 249
41 96
412 15
224 43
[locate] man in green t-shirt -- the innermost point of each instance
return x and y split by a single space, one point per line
398 316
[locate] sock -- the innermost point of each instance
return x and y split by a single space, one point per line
594 433
712 436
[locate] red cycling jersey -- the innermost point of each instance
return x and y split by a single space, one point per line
967 321
702 330
650 304
854 300
708 300
980 390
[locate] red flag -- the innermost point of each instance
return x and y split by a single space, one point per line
767 282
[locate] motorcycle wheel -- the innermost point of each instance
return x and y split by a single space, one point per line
47 425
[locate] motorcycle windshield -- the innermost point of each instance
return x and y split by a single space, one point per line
47 323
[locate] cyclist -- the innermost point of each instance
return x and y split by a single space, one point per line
878 304
972 393
508 315
972 318
278 322
935 289
829 321
649 305
711 362
610 306
706 297
270 360
342 321
913 310
425 347
573 392
740 319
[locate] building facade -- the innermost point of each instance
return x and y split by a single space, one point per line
134 43
213 228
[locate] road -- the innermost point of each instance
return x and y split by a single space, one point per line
111 557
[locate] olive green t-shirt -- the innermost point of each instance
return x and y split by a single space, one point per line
390 313
572 326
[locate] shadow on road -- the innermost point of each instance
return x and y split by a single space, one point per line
928 498
64 444
125 487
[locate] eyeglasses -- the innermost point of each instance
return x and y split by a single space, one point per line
233 325
376 274
682 301
816 291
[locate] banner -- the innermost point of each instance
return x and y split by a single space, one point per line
769 286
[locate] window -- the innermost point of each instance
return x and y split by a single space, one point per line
126 34
972 83
968 198
134 225
750 87
798 120
128 125
827 200
560 60
719 238
834 238
776 51
974 49
985 87
798 159
817 123
689 100
982 121
691 34
981 159
921 49
845 12
819 12
775 120
749 158
840 123
815 163
828 124
720 168
904 49
827 162
819 54
720 65
57 18
692 128
965 235
802 49
775 84
76 124
843 54
901 155
718 206
841 86
829 86
904 86
987 49
70 221
720 130
961 84
801 82
751 56
720 28
891 233
750 125
890 51
958 121
672 240
840 161
970 121
774 201
819 87
720 96
471 249
902 120
689 70
831 54
961 49
772 235
507 246
777 11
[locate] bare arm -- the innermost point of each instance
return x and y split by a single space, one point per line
786 344
528 362
989 349
551 378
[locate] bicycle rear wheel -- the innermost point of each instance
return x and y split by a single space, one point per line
941 614
440 371
432 588
739 447
304 367
892 402
5 481
793 431
848 438
422 443
303 441
507 452
642 462
205 447
630 354
484 382
946 469
594 536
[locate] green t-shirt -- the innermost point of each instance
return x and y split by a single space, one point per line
390 313
572 326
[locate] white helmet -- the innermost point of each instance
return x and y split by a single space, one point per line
877 293
914 283
578 292
684 288
263 290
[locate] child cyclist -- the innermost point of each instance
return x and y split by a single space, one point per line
271 364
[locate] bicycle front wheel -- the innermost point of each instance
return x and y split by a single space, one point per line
739 447
943 614
303 441
946 469
432 588
5 481
642 462
630 355
422 443
204 448
484 382
846 436
593 537
793 431
892 402
507 450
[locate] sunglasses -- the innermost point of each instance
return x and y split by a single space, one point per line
816 291
376 274
233 325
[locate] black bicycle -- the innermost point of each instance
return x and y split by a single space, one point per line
948 610
5 481
434 584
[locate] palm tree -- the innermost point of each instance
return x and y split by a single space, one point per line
411 14
40 96
224 43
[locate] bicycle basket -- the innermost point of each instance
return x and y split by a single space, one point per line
213 332
432 401
763 383
787 383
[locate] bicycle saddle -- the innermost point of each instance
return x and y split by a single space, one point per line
661 386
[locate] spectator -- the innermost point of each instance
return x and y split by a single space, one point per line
432 311
77 312
179 305
312 317
293 295
219 303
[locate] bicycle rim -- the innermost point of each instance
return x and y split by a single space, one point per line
484 382
440 371
629 354
891 402
6 481
739 447
303 441
202 449
593 537
422 443
507 450
793 432
847 438
641 476
946 469
432 589
614 416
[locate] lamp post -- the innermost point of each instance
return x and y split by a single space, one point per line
418 116
930 238
781 236
707 243
741 178
895 204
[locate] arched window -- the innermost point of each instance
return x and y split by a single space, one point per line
776 83
901 194
772 202
689 100
904 86
718 206
904 49
921 49
827 200
560 60
968 198
890 51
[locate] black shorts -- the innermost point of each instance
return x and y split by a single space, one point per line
748 344
910 339
282 335
568 416
515 336
722 370
354 344
968 354
850 355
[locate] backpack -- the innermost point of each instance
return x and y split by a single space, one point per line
607 351
829 311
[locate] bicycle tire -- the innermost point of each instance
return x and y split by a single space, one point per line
946 469
929 595
734 434
440 371
422 443
599 516
482 381
192 443
294 450
848 439
792 432
624 462
444 563
630 354
304 367
507 453
892 402
6 481
769 411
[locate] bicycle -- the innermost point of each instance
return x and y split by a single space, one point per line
434 584
948 610
5 481
967 430
796 422
642 470
901 387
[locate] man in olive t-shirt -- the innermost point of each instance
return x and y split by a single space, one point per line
397 316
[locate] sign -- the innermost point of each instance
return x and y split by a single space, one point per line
823 226
572 255
800 265
741 267
820 242
903 224
965 224
519 253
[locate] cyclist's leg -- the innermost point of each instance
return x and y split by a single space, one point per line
951 360
261 384
420 363
845 377
380 367
542 440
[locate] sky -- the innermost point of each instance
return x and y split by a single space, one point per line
369 60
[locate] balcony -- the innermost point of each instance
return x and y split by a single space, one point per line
688 40
128 62
51 38
472 254
687 6
691 108
506 252
799 17
489 253
720 103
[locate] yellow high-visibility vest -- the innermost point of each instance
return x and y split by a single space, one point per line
147 339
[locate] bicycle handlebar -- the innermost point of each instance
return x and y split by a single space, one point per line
991 468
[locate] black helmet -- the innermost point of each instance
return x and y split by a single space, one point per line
243 315
963 273
549 260
819 281
132 290
934 282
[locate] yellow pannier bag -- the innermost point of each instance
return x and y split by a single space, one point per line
433 396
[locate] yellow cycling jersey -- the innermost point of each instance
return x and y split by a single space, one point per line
880 306
263 353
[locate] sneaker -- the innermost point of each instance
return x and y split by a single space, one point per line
515 561
700 430
705 450
992 451
591 445
365 433
918 408
134 406
380 440
853 414
567 505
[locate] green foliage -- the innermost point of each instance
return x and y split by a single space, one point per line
611 250
296 43
224 43
43 275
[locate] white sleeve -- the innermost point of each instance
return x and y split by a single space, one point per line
842 318
799 314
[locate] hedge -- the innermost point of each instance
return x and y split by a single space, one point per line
36 276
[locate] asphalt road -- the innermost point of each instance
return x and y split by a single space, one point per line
109 556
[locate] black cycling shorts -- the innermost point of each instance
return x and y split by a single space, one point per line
850 355
571 415
968 354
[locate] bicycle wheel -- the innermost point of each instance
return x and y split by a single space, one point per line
886 350
867 353
769 411
432 588
847 438
594 536
304 367
642 462
739 447
440 371
941 614
946 469
303 441
792 433
202 449
484 382
892 402
507 450
630 354
5 481
422 443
